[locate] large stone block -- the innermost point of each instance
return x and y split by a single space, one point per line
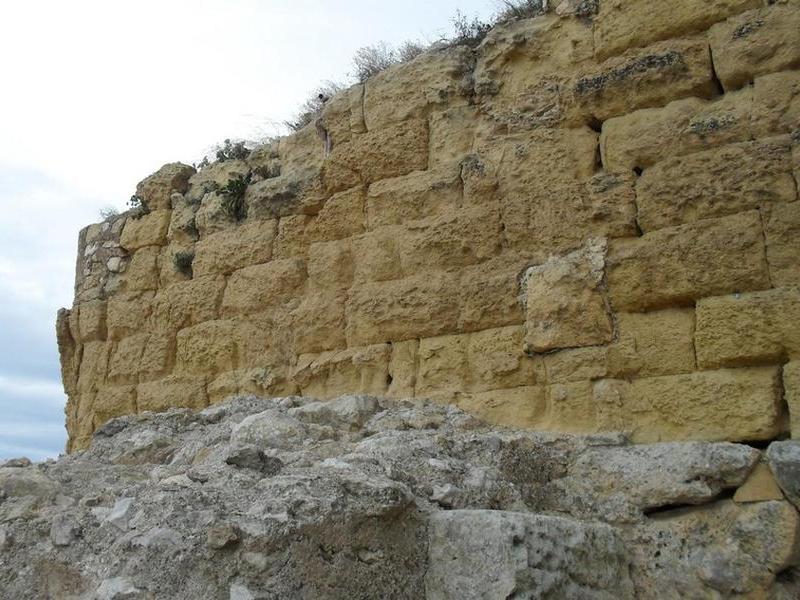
570 408
343 115
678 265
653 76
512 407
285 195
489 294
476 554
411 89
715 183
143 271
342 216
623 24
726 405
157 189
642 138
188 303
452 133
214 176
266 382
378 154
242 246
415 307
126 356
355 370
782 231
94 366
330 265
377 254
113 401
418 195
776 104
92 320
319 322
148 230
128 313
403 369
754 43
442 365
172 392
208 348
755 328
254 289
565 299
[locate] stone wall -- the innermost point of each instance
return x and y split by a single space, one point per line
588 223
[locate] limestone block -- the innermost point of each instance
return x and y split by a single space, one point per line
208 348
460 238
515 407
128 313
475 554
411 89
421 306
187 303
715 183
226 251
265 382
378 154
92 320
264 338
570 408
782 231
754 328
565 301
489 294
642 138
671 266
182 222
256 288
495 360
784 461
94 366
576 364
330 265
443 365
776 103
301 153
319 323
354 370
126 355
211 216
143 271
284 195
172 392
416 196
343 113
377 254
403 369
623 24
643 78
148 230
157 189
214 176
113 401
653 343
342 216
290 240
754 43
791 389
724 405
759 487
452 133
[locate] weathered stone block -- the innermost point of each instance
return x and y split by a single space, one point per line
489 294
355 370
515 407
622 24
732 405
642 138
214 176
265 382
755 328
319 323
113 401
791 390
94 366
208 348
256 288
92 321
330 265
782 231
285 195
157 189
715 183
342 216
576 364
172 392
418 195
653 76
673 266
452 133
227 251
776 103
754 43
570 408
443 365
127 313
147 230
378 154
403 369
187 303
143 271
759 487
415 307
124 364
565 301
343 115
377 254
290 241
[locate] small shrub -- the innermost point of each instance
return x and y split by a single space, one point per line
513 10
232 151
409 51
138 206
108 213
183 262
233 197
371 60
312 107
469 33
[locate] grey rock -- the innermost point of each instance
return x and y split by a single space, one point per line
254 459
269 429
5 537
784 460
347 412
120 514
223 535
19 463
64 530
240 592
117 588
490 554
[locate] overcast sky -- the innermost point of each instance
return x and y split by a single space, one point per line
96 95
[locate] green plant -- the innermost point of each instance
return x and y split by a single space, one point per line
521 9
312 107
469 32
232 151
371 60
138 206
108 213
183 262
233 197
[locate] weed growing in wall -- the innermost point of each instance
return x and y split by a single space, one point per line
233 197
182 261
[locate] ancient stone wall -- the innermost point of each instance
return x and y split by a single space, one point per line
588 223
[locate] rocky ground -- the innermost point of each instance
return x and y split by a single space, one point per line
370 498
